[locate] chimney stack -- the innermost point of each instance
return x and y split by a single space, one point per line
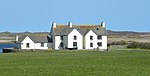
103 24
54 25
70 24
16 37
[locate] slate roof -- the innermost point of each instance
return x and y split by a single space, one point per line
82 29
36 39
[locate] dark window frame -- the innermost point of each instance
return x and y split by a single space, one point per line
61 38
91 44
75 37
27 45
42 44
99 37
99 44
75 44
61 44
91 37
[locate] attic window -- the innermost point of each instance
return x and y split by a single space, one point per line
97 28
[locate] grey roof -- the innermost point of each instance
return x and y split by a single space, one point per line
36 39
82 29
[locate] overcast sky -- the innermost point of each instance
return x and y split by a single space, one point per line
37 15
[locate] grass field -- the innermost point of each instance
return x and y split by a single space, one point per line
76 63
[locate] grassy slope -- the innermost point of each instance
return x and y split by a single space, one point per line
75 63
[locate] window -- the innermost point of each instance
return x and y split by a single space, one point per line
42 44
61 37
75 44
99 37
97 28
61 44
27 45
99 44
91 44
75 37
91 37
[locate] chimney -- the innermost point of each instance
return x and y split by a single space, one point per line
103 24
54 25
16 37
70 24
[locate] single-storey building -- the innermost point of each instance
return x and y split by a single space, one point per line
33 42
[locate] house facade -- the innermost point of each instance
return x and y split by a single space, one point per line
33 42
68 36
79 36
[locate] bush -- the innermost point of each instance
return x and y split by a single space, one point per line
118 43
139 45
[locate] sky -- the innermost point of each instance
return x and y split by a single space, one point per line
38 15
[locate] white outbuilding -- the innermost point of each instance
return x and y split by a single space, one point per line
33 42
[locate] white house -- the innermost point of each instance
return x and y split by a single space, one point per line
68 36
79 36
33 42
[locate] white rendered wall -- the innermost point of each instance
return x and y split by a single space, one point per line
24 43
32 45
57 42
104 43
71 39
88 41
38 46
95 41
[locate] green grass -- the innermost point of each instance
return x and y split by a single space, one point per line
76 63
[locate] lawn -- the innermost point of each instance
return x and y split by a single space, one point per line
76 63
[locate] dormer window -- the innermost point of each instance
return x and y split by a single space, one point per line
91 37
75 37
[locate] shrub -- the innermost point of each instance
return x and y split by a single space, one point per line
118 43
139 45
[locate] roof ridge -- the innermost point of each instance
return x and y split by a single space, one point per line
82 28
80 24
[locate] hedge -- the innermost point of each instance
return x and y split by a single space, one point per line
139 45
